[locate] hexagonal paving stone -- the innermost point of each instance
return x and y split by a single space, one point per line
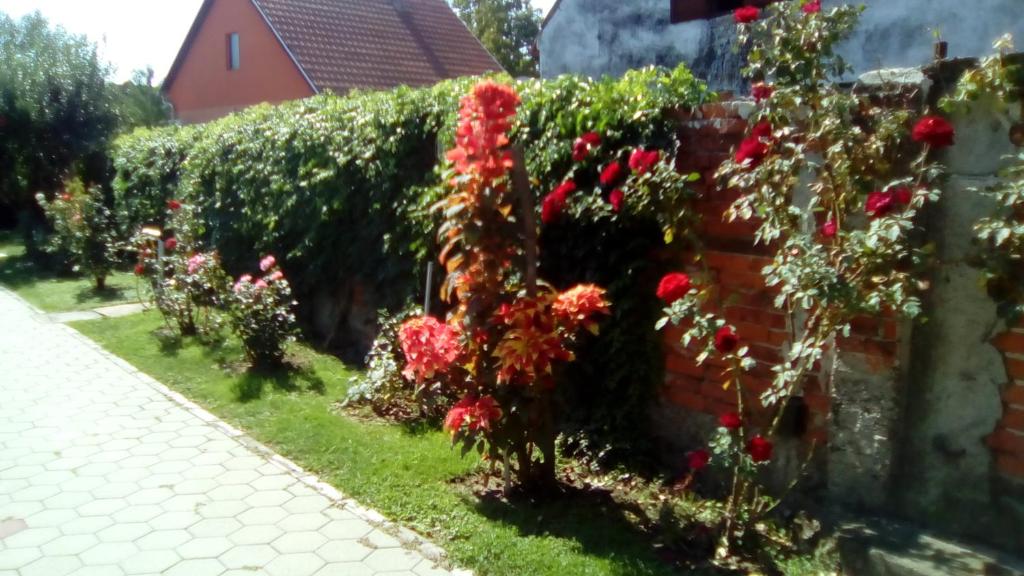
299 542
344 551
163 540
32 537
306 504
14 558
256 535
108 553
115 490
222 509
268 498
52 517
150 562
345 569
295 565
103 507
392 559
214 527
143 513
126 532
150 496
346 529
205 548
89 525
275 482
52 566
252 557
258 516
175 520
99 571
379 539
69 545
196 568
303 522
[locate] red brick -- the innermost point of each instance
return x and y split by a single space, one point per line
1004 441
818 403
678 364
1015 368
716 391
687 400
762 318
869 346
1009 342
1013 419
1014 394
1010 465
737 262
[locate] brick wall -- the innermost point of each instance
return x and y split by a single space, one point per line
1008 440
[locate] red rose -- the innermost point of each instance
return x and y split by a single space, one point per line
762 91
140 269
584 144
829 229
554 203
883 203
726 340
812 7
934 131
730 420
674 287
616 198
171 243
174 205
642 161
762 130
746 15
760 449
613 175
698 459
751 152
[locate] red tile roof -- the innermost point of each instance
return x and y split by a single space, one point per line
345 44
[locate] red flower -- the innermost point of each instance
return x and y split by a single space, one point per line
616 199
673 287
812 7
613 175
762 130
171 243
642 161
762 91
746 14
577 305
584 144
65 197
883 203
730 420
140 269
430 347
698 459
760 449
473 413
554 203
829 229
726 340
174 205
751 152
934 131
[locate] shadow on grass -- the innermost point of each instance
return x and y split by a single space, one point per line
288 378
603 528
105 296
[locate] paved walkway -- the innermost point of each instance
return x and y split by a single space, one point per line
103 471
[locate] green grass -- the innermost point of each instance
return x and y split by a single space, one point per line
52 293
405 474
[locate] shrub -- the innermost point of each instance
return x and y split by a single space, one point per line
82 230
261 314
147 168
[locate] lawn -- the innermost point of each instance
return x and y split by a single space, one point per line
52 293
405 474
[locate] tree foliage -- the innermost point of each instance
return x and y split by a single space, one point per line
507 28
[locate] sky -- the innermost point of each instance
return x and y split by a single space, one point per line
131 34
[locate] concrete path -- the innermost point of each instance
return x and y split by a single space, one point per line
103 471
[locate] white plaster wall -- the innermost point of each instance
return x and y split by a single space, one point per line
597 37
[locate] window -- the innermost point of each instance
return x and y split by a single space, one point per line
234 55
687 10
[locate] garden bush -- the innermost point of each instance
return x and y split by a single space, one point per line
261 313
83 237
340 189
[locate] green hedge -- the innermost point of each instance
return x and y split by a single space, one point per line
340 187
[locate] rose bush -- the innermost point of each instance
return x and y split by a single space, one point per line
83 233
262 314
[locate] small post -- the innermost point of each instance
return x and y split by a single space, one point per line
941 50
426 292
521 187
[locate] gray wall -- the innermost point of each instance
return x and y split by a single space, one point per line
597 37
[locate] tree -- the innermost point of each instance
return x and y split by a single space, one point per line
508 28
56 111
139 103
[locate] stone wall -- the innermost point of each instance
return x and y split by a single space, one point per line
923 420
597 37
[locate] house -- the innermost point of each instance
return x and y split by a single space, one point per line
244 52
597 37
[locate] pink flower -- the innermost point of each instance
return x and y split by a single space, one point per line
584 144
746 15
430 347
641 161
616 198
242 281
267 263
261 284
195 263
812 7
171 243
698 459
277 276
829 229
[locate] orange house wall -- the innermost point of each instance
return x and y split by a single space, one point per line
205 89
